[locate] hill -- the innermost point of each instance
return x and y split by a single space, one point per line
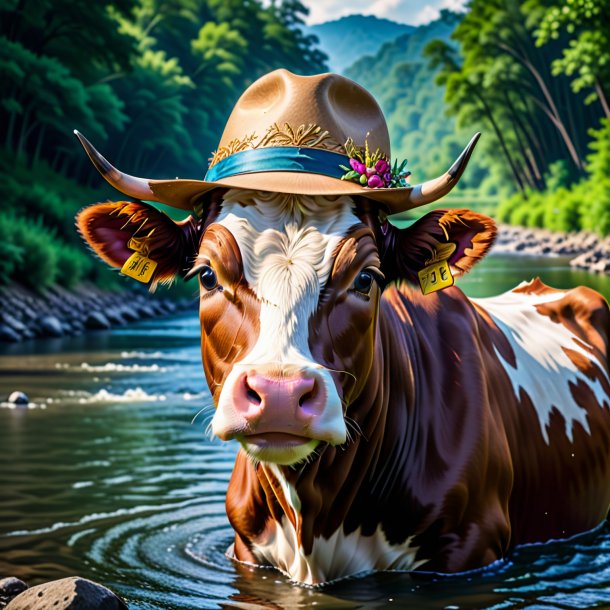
399 77
347 39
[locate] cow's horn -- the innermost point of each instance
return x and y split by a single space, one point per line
430 191
129 185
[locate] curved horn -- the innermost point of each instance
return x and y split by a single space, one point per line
129 185
430 191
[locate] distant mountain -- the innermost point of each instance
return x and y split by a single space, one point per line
349 38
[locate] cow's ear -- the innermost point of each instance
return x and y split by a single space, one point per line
461 237
143 242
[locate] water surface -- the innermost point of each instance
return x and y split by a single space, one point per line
112 476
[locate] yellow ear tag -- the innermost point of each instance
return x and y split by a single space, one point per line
138 266
436 275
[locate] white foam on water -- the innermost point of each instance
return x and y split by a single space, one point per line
143 355
114 367
30 405
130 395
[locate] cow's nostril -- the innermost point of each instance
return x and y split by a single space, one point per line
305 398
253 396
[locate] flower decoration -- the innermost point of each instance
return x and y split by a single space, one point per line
373 170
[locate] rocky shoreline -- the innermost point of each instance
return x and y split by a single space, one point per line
586 250
58 312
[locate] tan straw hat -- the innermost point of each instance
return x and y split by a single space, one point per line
297 134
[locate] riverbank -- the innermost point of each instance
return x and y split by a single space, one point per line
59 312
586 250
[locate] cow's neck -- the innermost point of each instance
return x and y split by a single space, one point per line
326 508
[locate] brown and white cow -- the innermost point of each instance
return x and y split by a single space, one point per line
382 429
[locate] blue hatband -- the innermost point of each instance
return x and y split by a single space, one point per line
280 159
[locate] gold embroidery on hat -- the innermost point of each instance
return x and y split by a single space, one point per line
234 146
310 136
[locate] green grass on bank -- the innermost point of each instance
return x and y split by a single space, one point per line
39 244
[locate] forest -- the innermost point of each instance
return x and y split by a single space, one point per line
536 75
151 83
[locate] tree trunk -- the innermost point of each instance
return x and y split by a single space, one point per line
602 98
498 132
552 111
40 139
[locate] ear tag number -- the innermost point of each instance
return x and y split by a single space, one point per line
436 275
138 266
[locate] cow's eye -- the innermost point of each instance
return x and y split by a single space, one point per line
208 277
363 282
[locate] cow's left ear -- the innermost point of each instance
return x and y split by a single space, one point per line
461 237
143 242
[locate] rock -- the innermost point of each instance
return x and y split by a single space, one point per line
10 587
96 320
18 398
14 323
114 317
49 326
128 314
8 334
146 311
72 593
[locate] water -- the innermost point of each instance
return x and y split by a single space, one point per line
109 477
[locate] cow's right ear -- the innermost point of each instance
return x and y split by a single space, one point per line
143 242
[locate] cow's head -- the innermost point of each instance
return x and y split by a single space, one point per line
289 297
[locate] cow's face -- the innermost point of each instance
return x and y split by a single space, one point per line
289 297
289 294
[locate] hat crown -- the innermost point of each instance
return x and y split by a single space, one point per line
321 111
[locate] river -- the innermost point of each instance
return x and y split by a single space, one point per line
111 475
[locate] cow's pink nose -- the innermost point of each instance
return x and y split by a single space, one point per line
287 399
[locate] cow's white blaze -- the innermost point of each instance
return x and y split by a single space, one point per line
339 556
543 369
287 245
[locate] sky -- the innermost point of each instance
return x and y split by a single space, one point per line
413 12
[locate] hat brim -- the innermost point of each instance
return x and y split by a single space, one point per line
185 194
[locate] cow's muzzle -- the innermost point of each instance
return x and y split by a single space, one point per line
279 414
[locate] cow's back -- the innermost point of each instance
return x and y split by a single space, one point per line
552 346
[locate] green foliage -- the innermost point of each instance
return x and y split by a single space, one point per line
586 56
581 206
33 246
151 82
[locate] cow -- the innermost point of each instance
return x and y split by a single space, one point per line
380 428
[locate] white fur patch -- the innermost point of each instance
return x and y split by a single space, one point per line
286 243
331 558
543 369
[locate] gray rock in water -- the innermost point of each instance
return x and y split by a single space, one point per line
96 320
10 587
50 326
72 593
18 398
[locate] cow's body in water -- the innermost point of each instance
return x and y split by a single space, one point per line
383 431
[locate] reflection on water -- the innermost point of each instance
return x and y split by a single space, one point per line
113 477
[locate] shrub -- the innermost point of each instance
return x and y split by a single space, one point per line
32 249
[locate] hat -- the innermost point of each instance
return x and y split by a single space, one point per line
302 135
